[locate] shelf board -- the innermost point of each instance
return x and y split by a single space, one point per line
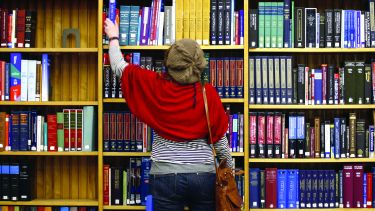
126 154
224 100
53 202
165 47
259 107
49 50
316 209
311 160
124 207
237 154
312 50
33 153
48 103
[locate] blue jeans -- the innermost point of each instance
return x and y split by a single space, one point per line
171 192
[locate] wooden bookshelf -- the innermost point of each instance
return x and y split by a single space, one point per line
311 50
52 202
33 153
224 100
311 160
124 208
49 103
319 209
165 47
311 107
49 50
126 154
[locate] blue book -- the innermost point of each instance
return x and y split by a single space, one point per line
287 24
320 191
15 76
292 127
241 26
300 135
24 131
358 24
112 10
7 82
318 84
308 186
346 28
302 189
64 208
45 77
364 190
332 189
254 188
314 188
234 140
14 172
258 80
5 182
277 79
292 183
149 203
265 79
326 188
137 58
371 140
15 131
337 134
271 81
298 188
282 188
352 35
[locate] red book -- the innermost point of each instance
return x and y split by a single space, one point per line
369 190
82 208
126 131
226 74
9 37
132 132
232 79
269 134
66 113
358 186
253 134
220 77
112 132
52 132
213 72
39 208
73 130
237 28
106 184
139 135
20 27
277 135
261 134
106 146
4 28
271 187
79 128
120 131
239 79
312 140
348 186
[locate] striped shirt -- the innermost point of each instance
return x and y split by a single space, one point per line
195 153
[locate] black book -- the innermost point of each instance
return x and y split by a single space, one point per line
360 137
359 83
5 182
311 23
343 138
301 84
227 22
14 172
220 21
349 90
337 28
116 185
30 28
368 84
295 85
25 182
330 84
322 139
328 28
114 85
253 28
322 33
213 23
299 24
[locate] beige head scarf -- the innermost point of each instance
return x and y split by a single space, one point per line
185 61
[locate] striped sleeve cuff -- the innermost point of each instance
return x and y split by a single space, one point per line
222 151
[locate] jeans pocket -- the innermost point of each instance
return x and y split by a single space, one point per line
163 185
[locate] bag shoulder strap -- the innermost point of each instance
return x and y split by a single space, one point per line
209 125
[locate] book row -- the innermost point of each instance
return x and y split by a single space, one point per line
69 130
24 80
282 25
16 181
226 74
123 132
273 80
129 184
17 28
291 136
212 22
40 208
296 188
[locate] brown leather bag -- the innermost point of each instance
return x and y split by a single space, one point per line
227 196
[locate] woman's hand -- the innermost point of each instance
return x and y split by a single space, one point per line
111 29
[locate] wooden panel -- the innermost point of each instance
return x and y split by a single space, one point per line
40 193
74 180
92 25
74 80
48 178
92 78
83 77
65 181
48 26
83 168
57 177
57 30
56 79
39 35
92 179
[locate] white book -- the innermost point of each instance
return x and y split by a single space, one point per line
327 140
173 28
45 77
14 38
363 39
24 75
233 24
39 134
31 80
160 28
88 128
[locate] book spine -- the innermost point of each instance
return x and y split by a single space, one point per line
357 182
329 19
352 134
282 186
261 32
271 185
270 135
258 80
239 78
214 22
368 85
52 132
254 188
277 80
360 137
271 81
371 142
220 22
265 79
261 134
337 28
252 80
301 84
233 78
253 28
286 22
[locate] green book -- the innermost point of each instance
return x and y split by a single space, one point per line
124 25
274 23
267 24
88 128
280 24
45 136
292 27
261 8
124 187
133 28
60 131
